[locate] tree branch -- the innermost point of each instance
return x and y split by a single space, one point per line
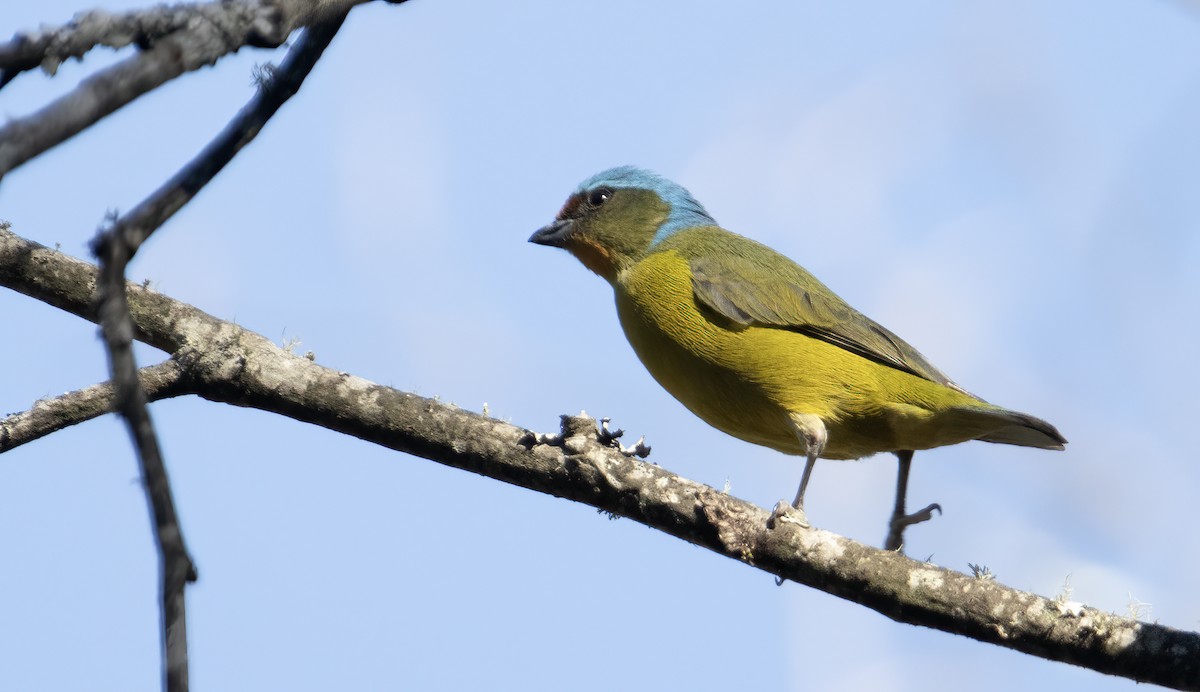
175 564
162 381
211 31
281 84
48 47
230 364
115 247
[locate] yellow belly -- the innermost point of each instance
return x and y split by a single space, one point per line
746 381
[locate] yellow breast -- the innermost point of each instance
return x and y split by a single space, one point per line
745 380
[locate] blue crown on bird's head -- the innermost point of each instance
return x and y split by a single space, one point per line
685 212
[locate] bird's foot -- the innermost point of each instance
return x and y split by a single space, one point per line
899 522
785 512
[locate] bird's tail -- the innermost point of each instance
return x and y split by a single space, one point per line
1026 431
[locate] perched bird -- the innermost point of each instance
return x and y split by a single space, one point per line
759 348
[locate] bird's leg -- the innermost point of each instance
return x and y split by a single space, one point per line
900 520
809 464
811 431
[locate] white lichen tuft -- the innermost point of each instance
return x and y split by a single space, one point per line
1138 610
1064 593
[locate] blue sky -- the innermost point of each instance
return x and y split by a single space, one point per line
1011 187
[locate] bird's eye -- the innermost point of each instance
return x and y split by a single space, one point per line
599 196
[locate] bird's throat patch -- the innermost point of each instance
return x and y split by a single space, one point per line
593 256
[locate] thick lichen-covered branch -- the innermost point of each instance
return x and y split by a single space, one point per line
227 363
169 49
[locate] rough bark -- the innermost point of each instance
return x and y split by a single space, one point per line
173 40
226 363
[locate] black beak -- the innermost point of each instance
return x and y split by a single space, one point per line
554 234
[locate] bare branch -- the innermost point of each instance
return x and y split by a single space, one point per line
283 83
215 30
129 400
162 381
115 247
233 365
48 47
69 284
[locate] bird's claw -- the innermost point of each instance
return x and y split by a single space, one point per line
899 522
786 513
920 515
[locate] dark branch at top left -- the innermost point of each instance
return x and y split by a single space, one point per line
172 41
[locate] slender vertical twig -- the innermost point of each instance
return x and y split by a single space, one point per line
280 84
176 565
114 247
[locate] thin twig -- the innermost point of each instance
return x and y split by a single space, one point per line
233 365
129 400
220 29
162 381
115 246
283 83
110 89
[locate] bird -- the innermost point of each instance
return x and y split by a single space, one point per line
759 348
